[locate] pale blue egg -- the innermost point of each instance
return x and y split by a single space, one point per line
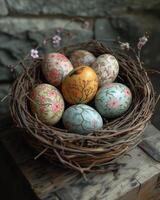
82 119
113 99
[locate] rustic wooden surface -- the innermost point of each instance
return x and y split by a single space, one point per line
138 179
151 142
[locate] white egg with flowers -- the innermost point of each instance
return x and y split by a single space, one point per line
107 68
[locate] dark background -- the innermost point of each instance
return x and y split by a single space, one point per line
24 24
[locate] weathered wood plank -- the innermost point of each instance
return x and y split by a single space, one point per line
148 188
127 184
151 142
64 194
136 180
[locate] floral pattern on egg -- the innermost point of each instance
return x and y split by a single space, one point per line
82 57
47 103
113 99
55 67
107 68
82 119
80 86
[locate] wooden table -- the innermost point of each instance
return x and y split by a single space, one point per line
137 179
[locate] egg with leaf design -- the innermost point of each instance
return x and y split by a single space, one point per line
80 86
55 67
113 99
82 119
47 103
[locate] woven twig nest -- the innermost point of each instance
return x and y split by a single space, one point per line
97 150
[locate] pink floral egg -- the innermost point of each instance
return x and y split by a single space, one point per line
113 99
56 67
47 103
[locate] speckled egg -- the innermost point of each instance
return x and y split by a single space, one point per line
80 86
106 66
55 67
82 119
47 103
82 57
113 99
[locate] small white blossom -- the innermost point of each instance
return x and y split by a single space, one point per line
124 45
56 40
142 41
34 53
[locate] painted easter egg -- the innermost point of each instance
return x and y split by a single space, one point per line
113 99
82 119
80 86
82 57
47 103
106 66
55 67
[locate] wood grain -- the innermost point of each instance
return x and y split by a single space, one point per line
138 179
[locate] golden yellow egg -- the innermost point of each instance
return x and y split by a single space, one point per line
80 85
